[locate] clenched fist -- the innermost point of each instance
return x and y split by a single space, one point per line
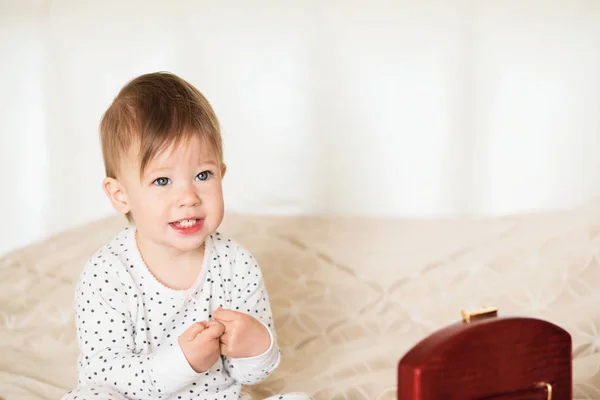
244 335
200 344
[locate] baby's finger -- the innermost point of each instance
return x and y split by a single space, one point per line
224 349
215 329
225 337
191 332
224 315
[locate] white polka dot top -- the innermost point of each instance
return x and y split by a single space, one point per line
128 323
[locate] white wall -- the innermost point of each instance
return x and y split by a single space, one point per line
399 108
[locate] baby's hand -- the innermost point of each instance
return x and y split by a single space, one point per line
200 344
244 335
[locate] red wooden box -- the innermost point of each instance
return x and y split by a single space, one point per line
489 357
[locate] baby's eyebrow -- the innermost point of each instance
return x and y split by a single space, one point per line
168 168
158 169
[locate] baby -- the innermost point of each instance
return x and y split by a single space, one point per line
169 308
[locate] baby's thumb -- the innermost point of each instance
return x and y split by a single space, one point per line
191 332
225 315
215 329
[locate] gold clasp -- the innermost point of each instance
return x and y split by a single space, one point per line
482 313
548 387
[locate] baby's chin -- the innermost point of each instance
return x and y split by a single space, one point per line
189 243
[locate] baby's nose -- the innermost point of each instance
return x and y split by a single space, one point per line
189 198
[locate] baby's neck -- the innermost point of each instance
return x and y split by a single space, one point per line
174 269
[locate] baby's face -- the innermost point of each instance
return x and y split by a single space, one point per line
178 202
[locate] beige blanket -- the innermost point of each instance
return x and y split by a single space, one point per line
350 295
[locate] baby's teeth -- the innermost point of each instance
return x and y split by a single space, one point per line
187 222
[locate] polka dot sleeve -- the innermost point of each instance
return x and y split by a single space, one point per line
106 303
249 296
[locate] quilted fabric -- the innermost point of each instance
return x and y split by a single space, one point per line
350 295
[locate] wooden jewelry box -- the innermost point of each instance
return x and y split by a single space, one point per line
489 357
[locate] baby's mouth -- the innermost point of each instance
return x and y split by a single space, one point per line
185 223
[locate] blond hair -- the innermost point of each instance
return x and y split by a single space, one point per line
153 112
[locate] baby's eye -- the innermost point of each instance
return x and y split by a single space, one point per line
161 181
202 176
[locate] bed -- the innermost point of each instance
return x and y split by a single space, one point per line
350 295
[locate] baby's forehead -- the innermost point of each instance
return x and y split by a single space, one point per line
192 149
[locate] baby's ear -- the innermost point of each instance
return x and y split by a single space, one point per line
223 169
116 194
